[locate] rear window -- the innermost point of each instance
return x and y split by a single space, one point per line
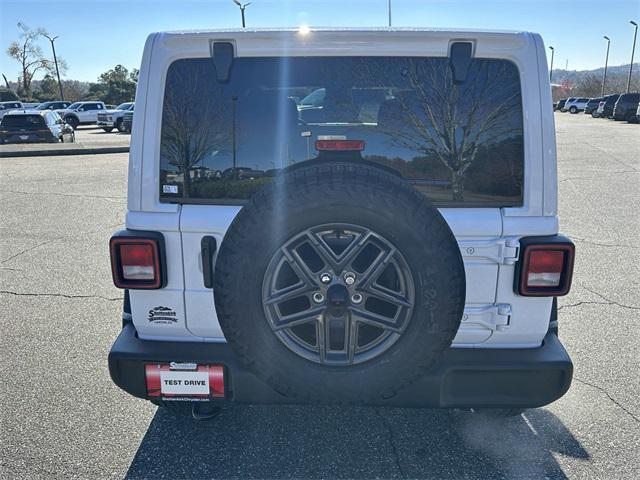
28 122
630 97
458 144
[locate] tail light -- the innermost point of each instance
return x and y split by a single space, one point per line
344 145
546 267
137 260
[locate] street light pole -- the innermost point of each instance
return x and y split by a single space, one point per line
606 62
389 10
242 6
551 69
55 60
633 50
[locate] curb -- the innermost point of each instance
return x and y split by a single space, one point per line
66 151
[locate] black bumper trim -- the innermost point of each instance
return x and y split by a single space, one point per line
462 378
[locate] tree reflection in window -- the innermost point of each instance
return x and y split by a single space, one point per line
459 144
454 122
196 123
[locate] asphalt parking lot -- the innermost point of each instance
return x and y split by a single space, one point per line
87 137
96 137
62 417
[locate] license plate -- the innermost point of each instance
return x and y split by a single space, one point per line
184 380
24 137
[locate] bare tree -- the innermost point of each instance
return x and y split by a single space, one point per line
452 122
30 56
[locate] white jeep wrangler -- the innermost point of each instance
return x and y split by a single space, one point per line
394 242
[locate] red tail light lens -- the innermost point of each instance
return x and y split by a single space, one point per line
138 262
344 145
135 263
546 269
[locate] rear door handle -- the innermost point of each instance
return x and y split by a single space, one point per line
208 247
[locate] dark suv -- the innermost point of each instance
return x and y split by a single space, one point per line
34 126
626 106
560 104
592 105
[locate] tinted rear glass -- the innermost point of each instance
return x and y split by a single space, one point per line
29 122
459 144
630 97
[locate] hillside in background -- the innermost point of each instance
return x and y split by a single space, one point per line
588 83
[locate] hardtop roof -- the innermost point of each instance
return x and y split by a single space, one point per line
249 31
27 111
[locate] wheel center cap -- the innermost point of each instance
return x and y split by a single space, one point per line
337 299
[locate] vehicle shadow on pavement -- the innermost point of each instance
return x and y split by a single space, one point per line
353 442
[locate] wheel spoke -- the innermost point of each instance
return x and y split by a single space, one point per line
288 293
337 262
387 295
352 338
380 321
376 267
309 315
300 268
321 338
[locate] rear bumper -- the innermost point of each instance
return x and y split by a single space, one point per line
462 378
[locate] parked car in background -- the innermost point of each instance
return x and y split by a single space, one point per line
127 120
34 126
8 106
53 105
110 119
30 105
564 108
592 106
576 105
82 113
605 107
626 106
560 104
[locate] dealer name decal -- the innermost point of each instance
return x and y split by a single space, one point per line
163 315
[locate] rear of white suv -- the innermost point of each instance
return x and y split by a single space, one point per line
82 113
394 243
575 105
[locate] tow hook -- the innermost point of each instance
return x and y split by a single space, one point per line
203 411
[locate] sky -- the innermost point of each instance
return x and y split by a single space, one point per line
96 35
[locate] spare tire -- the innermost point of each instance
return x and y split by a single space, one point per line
339 283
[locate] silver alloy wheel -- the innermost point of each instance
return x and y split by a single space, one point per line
366 304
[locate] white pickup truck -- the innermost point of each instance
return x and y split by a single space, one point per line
110 119
395 243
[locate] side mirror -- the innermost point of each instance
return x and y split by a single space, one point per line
81 109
